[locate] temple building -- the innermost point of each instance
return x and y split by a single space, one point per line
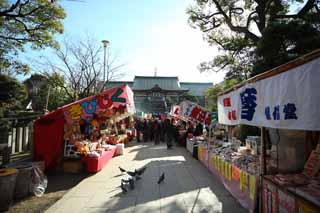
158 93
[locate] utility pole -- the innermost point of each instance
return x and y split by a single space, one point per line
105 44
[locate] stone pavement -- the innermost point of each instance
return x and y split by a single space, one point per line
188 186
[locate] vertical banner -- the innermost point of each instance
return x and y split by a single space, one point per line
245 180
252 186
228 108
230 171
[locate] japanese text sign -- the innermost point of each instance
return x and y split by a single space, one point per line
118 97
289 100
195 112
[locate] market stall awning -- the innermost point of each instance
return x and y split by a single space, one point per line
286 97
113 102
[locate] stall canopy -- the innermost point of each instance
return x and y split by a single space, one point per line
287 97
191 111
48 130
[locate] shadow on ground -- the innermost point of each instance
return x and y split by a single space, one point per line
188 186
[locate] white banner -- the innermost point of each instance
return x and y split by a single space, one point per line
290 100
195 112
175 110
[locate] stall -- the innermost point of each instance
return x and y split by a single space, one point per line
198 117
284 162
88 129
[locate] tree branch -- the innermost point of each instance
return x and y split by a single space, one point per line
238 29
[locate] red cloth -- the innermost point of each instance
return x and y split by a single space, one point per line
48 138
96 164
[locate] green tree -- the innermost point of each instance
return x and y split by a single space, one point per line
22 22
43 88
254 36
12 94
189 97
212 93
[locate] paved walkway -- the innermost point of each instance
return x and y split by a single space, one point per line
188 186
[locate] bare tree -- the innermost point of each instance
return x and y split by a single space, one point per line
81 64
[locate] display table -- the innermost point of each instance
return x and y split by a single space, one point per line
288 198
190 143
96 164
242 185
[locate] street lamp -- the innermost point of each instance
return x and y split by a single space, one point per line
105 44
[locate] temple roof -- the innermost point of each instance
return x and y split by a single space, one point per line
149 82
196 89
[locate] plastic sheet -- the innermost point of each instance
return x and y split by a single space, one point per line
39 182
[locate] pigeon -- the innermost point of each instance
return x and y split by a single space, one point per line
141 170
124 190
122 170
132 174
161 178
125 181
131 184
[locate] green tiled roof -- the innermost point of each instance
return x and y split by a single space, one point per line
148 82
112 84
196 89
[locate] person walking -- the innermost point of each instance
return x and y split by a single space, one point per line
169 131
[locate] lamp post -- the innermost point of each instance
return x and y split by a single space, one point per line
105 44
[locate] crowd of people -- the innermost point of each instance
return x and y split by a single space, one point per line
165 130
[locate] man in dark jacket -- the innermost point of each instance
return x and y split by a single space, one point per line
169 131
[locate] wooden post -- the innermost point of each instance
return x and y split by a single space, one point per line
262 165
13 142
19 139
25 138
263 152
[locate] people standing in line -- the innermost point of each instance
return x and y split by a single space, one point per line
156 131
145 130
150 130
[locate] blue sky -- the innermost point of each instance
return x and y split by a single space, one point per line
145 34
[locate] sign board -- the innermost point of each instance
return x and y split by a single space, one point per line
109 102
289 100
195 112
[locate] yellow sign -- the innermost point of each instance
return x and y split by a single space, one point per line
229 171
222 167
226 169
252 186
245 181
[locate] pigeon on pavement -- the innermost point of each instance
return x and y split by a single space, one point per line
161 178
125 181
131 183
122 170
124 190
141 170
132 174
